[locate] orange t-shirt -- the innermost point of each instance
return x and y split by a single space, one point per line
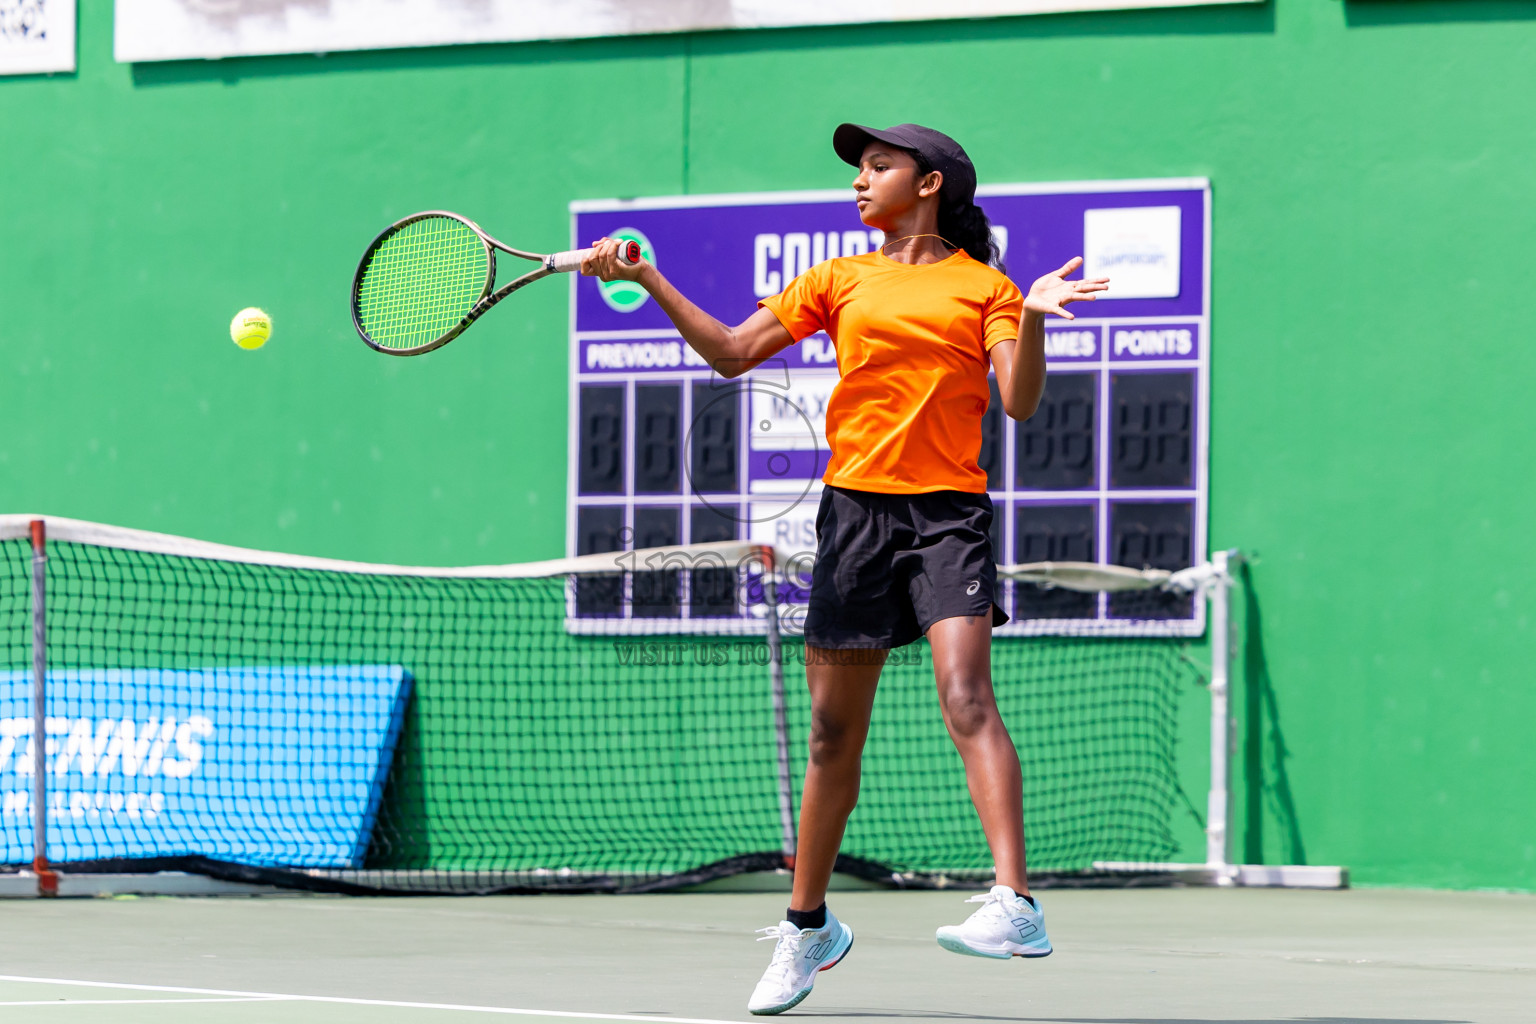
912 344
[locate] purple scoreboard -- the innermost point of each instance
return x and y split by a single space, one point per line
1112 468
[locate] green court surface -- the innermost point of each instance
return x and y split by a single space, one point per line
1164 956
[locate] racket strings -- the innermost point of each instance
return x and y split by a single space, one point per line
421 282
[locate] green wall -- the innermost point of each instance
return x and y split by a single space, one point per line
1371 162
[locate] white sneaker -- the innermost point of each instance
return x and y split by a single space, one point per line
797 958
1007 925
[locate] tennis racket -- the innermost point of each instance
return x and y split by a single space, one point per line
431 275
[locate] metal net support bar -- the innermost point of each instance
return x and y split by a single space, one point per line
47 880
1218 856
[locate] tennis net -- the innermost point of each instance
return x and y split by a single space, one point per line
364 728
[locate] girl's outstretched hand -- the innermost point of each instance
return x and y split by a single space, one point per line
1051 293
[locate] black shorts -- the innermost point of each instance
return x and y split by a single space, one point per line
888 566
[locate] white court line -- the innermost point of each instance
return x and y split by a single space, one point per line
141 1002
364 1002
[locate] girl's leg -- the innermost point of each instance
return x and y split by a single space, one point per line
962 666
842 687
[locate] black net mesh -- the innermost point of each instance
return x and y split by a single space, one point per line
362 732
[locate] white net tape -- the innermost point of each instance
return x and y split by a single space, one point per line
1091 577
1084 577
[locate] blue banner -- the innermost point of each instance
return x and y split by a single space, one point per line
268 766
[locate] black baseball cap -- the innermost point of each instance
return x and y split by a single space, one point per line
942 153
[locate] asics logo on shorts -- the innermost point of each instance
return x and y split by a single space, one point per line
970 591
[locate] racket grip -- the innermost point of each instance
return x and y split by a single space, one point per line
565 262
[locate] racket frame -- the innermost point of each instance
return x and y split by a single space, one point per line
488 297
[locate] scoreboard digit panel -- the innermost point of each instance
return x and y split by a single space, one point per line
658 423
1112 467
1052 532
601 451
713 441
1151 425
1056 449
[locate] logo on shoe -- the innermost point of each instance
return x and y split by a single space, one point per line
1025 926
818 951
970 591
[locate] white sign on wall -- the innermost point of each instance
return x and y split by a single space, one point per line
1137 248
182 29
37 36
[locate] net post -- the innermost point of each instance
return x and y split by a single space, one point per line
1218 831
47 881
780 706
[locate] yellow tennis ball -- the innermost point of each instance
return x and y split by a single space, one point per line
250 328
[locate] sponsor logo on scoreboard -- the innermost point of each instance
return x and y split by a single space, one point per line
626 296
1136 247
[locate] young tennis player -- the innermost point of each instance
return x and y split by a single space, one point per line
903 530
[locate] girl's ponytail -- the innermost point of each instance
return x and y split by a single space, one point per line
965 224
